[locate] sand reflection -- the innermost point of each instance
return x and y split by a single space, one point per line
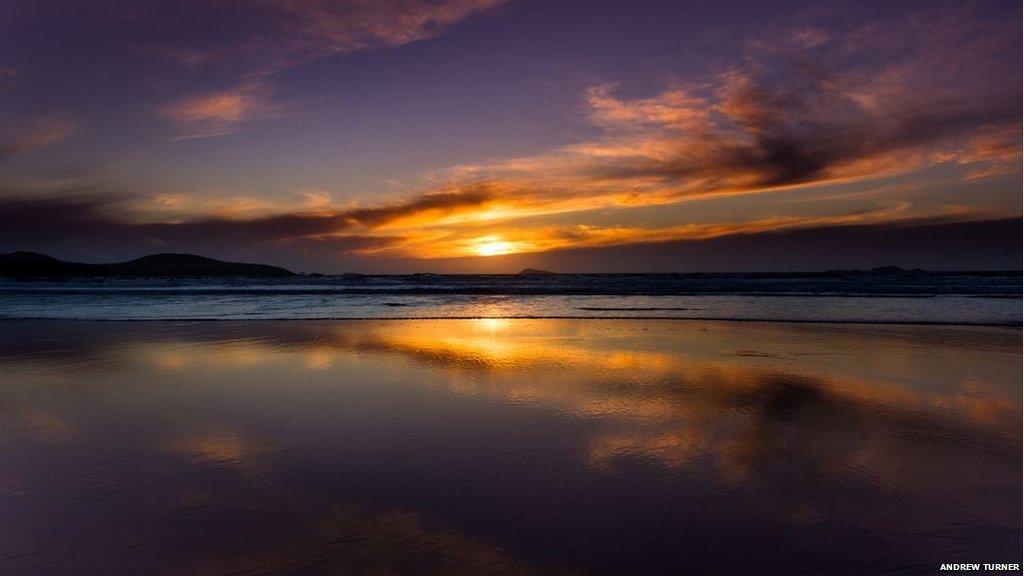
376 442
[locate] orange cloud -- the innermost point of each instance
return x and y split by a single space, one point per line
486 240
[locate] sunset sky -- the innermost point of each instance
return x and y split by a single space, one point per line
492 135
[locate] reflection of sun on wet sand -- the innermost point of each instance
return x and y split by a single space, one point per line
636 371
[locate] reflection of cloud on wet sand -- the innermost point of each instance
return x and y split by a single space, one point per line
589 374
180 356
45 426
222 447
350 538
670 399
344 537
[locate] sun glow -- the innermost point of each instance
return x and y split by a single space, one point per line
491 247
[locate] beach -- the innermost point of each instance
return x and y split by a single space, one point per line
500 446
511 287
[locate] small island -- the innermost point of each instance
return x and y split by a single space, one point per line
535 272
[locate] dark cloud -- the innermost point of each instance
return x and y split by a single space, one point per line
100 219
101 216
87 213
434 204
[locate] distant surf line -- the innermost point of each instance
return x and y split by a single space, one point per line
634 308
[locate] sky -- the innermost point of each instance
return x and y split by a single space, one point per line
492 135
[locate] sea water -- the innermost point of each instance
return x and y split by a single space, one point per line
931 298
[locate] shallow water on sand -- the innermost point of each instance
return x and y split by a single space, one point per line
507 446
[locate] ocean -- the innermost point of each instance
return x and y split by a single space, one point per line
987 298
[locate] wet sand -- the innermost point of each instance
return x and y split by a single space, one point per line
507 446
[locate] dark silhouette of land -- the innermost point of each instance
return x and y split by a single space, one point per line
30 265
33 265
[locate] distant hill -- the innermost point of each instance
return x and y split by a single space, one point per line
33 265
534 272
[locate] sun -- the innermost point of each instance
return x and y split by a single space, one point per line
494 248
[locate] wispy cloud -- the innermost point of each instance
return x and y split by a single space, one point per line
321 27
219 113
40 133
268 36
